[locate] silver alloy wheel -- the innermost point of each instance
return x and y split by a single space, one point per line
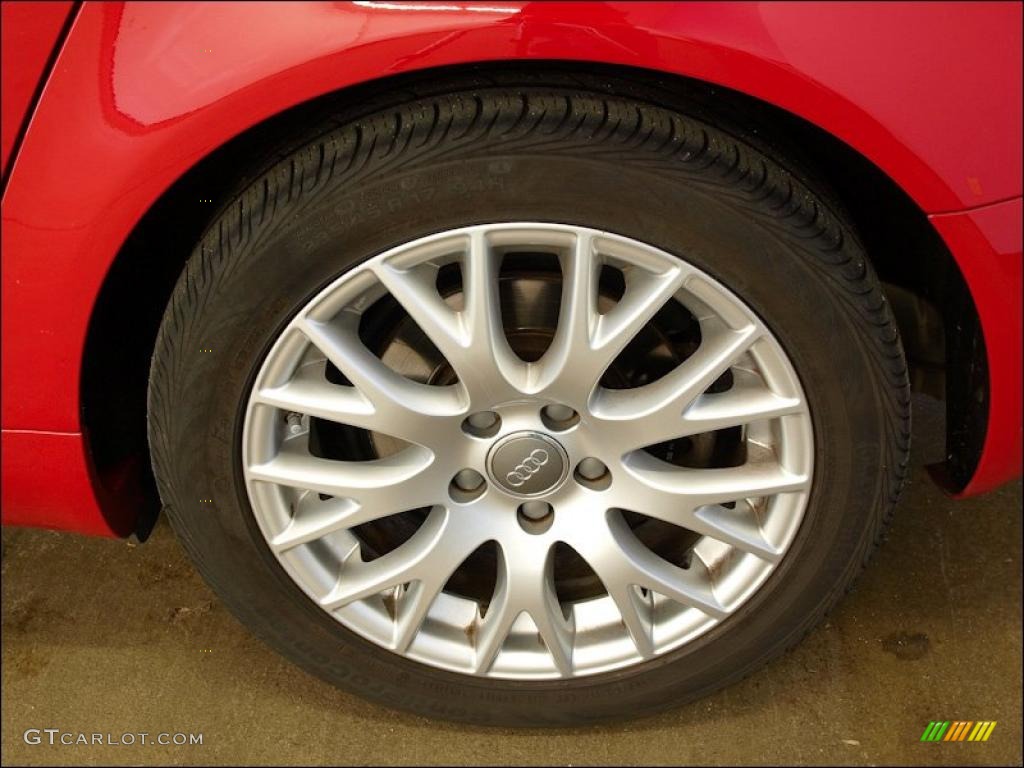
591 466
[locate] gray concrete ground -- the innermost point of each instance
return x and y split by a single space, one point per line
100 636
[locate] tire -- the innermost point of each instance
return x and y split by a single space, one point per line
531 153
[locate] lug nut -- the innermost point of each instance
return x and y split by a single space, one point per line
535 510
482 424
593 474
483 420
559 412
468 479
536 517
591 468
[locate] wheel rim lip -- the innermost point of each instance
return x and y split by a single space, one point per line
600 656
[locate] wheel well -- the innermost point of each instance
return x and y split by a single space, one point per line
923 283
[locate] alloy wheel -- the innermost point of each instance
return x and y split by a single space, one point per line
527 455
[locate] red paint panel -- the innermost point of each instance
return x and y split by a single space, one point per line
152 87
28 32
47 483
930 92
987 242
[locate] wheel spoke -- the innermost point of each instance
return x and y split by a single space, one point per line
622 561
646 293
654 413
737 526
586 342
429 557
403 481
493 372
473 340
699 487
525 585
314 520
636 615
412 606
397 405
747 401
693 498
359 579
415 289
313 397
577 316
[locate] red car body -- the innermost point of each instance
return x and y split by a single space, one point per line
106 106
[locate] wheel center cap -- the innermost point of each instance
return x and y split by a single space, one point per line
527 463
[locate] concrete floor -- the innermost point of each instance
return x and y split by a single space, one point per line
100 636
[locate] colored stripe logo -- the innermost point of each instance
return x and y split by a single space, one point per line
958 730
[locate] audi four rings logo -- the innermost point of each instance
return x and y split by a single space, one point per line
528 467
